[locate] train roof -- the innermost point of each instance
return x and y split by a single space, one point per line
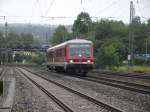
79 41
71 41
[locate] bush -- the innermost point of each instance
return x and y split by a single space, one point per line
141 61
147 62
110 53
107 56
40 59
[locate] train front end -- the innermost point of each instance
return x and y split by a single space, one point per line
80 56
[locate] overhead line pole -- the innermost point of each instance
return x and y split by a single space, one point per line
131 34
1 47
6 50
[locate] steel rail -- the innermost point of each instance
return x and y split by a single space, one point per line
1 72
144 89
132 75
60 103
99 103
5 109
119 84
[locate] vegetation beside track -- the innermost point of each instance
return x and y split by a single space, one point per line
139 69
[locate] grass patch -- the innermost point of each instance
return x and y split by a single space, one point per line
1 87
139 69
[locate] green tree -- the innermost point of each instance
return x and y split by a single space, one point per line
114 31
103 30
27 39
107 29
139 35
111 53
148 21
18 58
13 40
1 40
39 59
60 35
82 24
107 56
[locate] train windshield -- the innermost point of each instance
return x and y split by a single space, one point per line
80 50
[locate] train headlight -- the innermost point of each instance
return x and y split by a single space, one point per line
71 61
89 61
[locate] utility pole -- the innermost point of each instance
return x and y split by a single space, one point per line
1 47
146 46
131 34
6 35
46 38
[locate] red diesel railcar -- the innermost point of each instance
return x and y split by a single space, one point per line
73 56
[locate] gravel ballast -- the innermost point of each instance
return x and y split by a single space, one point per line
127 101
122 78
29 98
75 102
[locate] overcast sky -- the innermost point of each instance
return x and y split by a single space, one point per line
66 11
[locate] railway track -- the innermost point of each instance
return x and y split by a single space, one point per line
144 89
101 104
115 73
60 103
1 72
9 107
5 109
132 75
120 74
119 84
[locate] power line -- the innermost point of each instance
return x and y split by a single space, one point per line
147 5
34 5
138 5
120 12
21 16
2 17
37 1
60 17
50 6
81 2
108 7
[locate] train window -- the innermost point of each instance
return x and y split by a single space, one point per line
50 54
56 53
80 50
60 52
63 52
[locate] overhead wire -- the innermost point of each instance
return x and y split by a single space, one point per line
81 3
38 3
107 7
139 9
65 17
50 6
34 7
116 13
